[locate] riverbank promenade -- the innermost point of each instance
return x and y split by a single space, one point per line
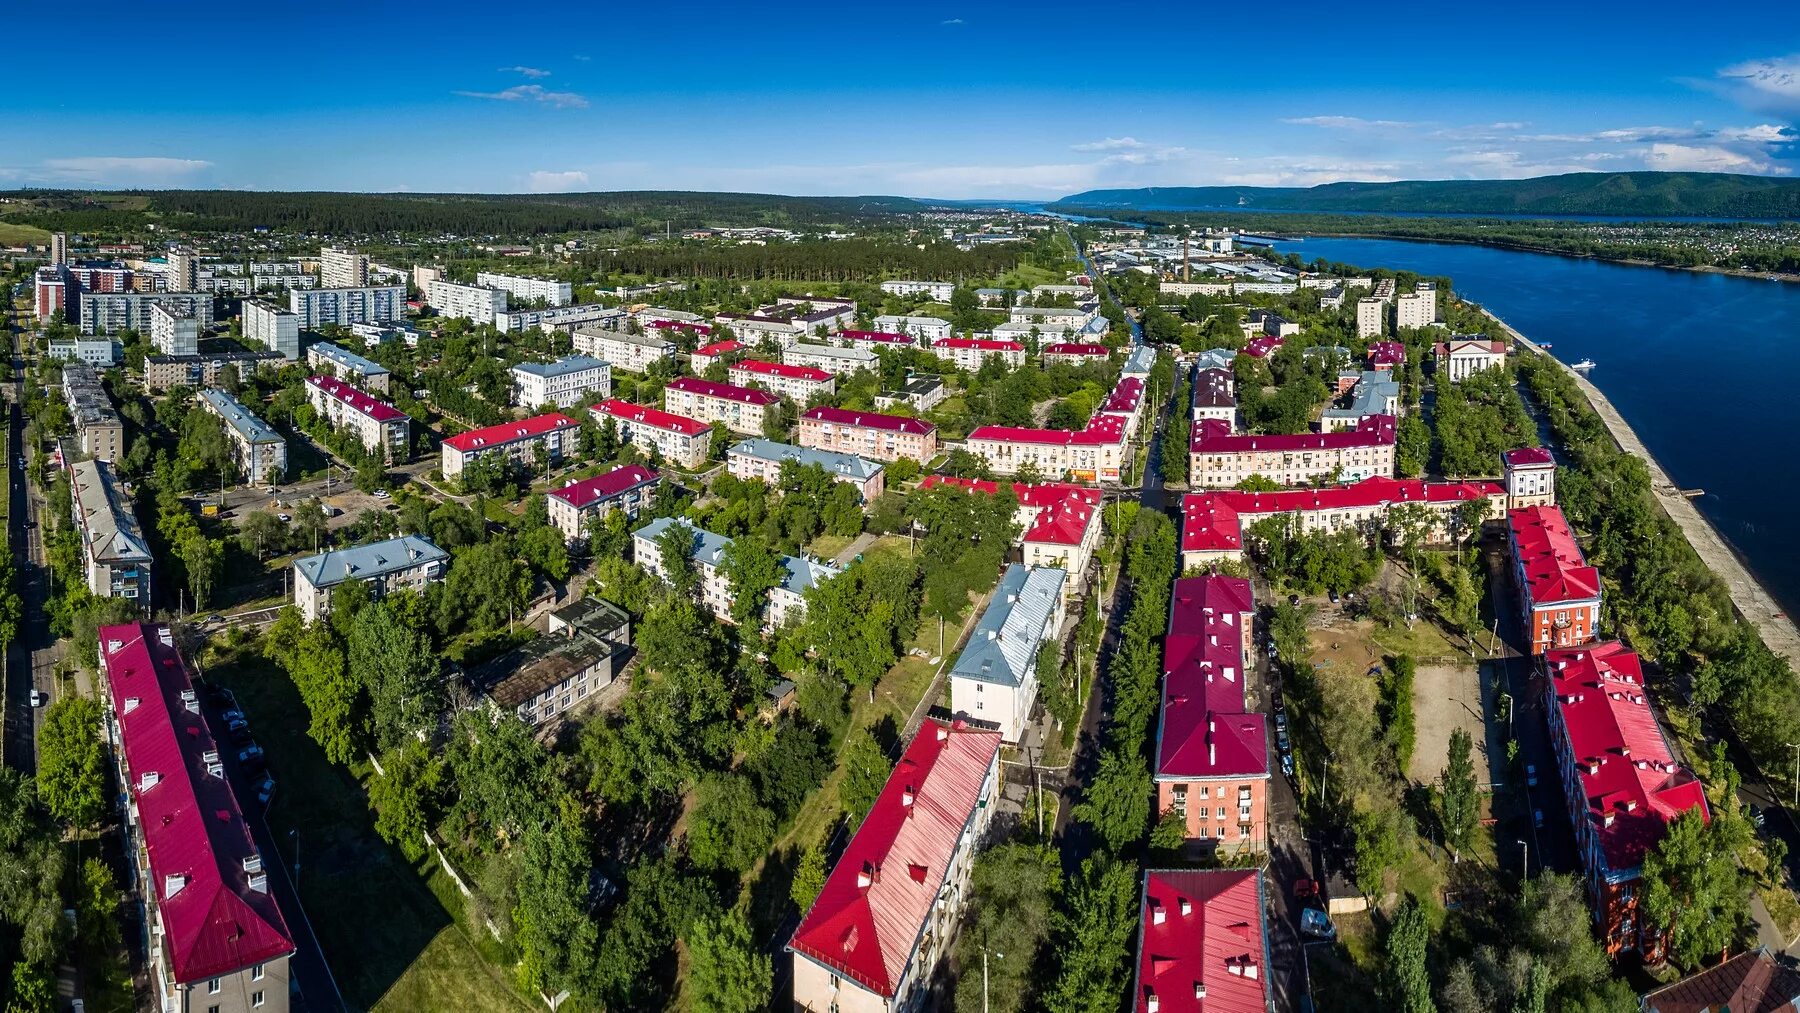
1753 602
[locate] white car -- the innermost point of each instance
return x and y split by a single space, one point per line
37 697
283 518
381 494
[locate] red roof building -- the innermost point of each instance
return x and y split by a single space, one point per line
379 426
1530 476
1386 355
517 441
1559 594
875 341
740 409
703 358
1220 459
970 353
1202 945
1213 523
868 434
631 489
685 441
198 867
355 399
1060 523
886 914
1212 754
1074 353
1263 347
1622 783
704 330
797 383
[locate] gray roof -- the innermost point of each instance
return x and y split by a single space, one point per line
1004 645
348 359
845 465
107 523
647 340
251 428
1368 397
561 367
328 569
1215 358
1141 360
709 550
800 348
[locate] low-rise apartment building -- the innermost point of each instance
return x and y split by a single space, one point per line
468 302
408 562
1461 358
1203 944
1059 524
890 908
162 372
173 331
113 550
562 383
796 383
97 427
867 434
831 358
1051 319
1094 453
1220 459
1559 593
787 600
213 931
1374 392
555 293
921 393
375 304
994 682
1530 477
970 353
704 357
1215 397
533 443
378 426
101 352
261 451
687 442
926 329
740 409
560 318
936 291
760 459
1074 353
584 649
332 360
272 327
633 353
877 341
631 488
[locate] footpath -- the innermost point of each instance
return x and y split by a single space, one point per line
1753 602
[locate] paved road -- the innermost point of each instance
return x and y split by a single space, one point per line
31 660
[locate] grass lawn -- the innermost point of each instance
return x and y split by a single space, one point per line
391 941
827 546
21 235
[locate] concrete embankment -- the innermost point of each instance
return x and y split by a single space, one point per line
1753 602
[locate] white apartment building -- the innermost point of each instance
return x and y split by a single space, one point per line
469 302
376 335
1051 318
1418 309
101 352
971 353
261 451
994 681
631 352
562 318
344 364
797 383
341 268
546 438
831 358
786 600
561 383
926 329
274 328
571 508
555 293
1220 459
408 562
740 409
113 550
938 291
107 312
1371 317
173 332
685 441
345 306
379 426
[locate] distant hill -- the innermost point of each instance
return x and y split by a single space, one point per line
1699 194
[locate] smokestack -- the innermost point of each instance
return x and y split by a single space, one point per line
1185 268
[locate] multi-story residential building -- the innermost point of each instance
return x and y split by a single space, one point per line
1059 524
1094 453
107 312
1373 392
994 681
1220 459
926 329
55 290
376 335
1215 396
554 293
1622 785
1530 477
798 383
703 358
1386 356
866 434
562 318
59 249
341 268
631 352
1559 594
1461 358
162 372
1263 347
272 327
678 330
1212 751
1076 293
786 324
843 361
631 489
378 304
468 302
787 600
409 562
1371 317
332 360
585 648
269 274
921 393
740 409
876 341
173 332
102 352
1051 319
1203 946
687 442
889 910
531 443
970 353
937 291
760 459
1415 310
424 274
379 426
1074 353
561 383
1003 297
261 451
113 550
101 434
181 271
216 939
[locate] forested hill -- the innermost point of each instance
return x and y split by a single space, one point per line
1701 194
460 214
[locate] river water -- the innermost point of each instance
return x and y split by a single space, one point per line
1703 366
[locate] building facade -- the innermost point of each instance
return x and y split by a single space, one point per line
757 459
162 372
378 426
377 304
101 352
114 552
108 312
868 435
797 383
261 451
631 488
687 442
553 293
468 302
561 383
936 291
409 562
531 443
272 327
97 427
342 268
926 329
739 409
831 358
332 360
173 332
633 353
1461 358
971 354
1558 593
1220 459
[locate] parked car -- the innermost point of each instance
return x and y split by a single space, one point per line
1287 764
1281 739
283 518
381 494
239 734
1280 720
251 757
1332 596
1531 775
265 788
1756 816
1315 922
1294 600
37 697
1537 818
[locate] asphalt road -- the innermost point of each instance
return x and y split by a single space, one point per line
30 659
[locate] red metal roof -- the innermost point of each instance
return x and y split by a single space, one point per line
380 411
1214 436
1386 353
986 344
721 347
1125 397
1626 769
1263 347
1077 348
758 366
681 325
1062 512
723 391
1525 457
867 920
880 337
510 432
189 818
1555 571
616 482
869 420
656 418
1211 520
1203 729
1203 934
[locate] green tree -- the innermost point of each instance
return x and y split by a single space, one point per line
675 549
1694 884
405 795
728 829
1014 889
1117 801
809 877
752 569
71 774
1461 799
866 770
727 972
1408 981
1093 934
398 670
557 939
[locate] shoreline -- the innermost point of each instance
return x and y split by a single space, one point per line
1732 272
1754 604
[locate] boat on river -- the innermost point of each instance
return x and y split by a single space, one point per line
1584 365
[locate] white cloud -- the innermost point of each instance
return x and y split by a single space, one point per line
114 170
1772 83
531 72
1708 158
1346 123
951 21
1110 144
542 181
1762 133
531 93
583 57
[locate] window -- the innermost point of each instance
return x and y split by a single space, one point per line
212 987
256 998
256 972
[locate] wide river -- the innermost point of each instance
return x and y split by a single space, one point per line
1705 367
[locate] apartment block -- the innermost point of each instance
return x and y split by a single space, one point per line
409 562
831 358
703 358
869 435
936 291
469 302
561 383
272 327
631 488
100 433
1074 353
561 318
740 409
971 354
797 383
554 293
1059 523
317 307
787 600
533 443
109 312
1220 459
926 329
1371 317
584 649
332 360
1559 593
341 268
163 372
100 352
261 451
876 341
994 682
1530 477
114 553
378 426
686 442
633 353
761 460
1203 943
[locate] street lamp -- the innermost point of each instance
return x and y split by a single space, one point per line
1527 851
1796 748
984 974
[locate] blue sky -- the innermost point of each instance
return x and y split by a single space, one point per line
938 99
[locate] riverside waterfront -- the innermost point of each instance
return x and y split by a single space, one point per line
1702 367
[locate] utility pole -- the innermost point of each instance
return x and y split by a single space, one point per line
1527 849
1796 748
